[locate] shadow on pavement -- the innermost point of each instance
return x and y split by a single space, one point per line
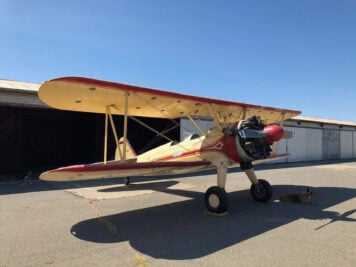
182 230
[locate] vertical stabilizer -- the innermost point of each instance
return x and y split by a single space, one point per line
120 154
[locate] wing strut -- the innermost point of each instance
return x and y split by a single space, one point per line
150 128
196 125
125 125
156 132
243 113
108 117
112 125
215 115
106 135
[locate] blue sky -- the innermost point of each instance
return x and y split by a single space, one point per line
297 54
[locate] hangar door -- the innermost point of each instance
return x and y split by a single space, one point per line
346 145
331 144
305 146
354 143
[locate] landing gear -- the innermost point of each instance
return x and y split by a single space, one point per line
261 191
216 199
127 180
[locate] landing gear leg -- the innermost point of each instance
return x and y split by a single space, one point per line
260 190
216 198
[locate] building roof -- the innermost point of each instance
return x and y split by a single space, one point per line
15 85
20 94
324 121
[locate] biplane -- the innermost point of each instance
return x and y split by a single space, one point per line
243 134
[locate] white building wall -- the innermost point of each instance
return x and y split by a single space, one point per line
316 144
331 144
297 146
354 143
346 144
305 146
282 149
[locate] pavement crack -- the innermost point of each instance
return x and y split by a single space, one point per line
102 219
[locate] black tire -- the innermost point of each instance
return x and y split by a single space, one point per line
216 199
262 191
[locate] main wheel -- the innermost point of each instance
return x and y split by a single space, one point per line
262 191
216 199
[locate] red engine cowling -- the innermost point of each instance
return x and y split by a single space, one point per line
275 133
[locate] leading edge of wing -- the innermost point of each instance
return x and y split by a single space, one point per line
118 169
146 102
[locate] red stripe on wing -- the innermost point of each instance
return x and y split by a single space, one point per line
112 166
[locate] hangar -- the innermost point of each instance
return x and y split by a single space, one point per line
33 135
319 139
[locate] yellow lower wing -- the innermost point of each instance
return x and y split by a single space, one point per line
118 169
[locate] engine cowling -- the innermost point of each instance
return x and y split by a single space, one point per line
256 142
275 133
254 138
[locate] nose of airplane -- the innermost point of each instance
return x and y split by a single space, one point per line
275 133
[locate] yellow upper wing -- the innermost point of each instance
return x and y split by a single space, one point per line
90 95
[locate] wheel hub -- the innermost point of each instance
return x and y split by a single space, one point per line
214 201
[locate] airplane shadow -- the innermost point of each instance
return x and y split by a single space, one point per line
147 185
182 230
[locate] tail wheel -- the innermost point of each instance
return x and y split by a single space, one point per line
127 180
262 191
216 199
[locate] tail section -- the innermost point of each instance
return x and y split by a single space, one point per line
128 154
